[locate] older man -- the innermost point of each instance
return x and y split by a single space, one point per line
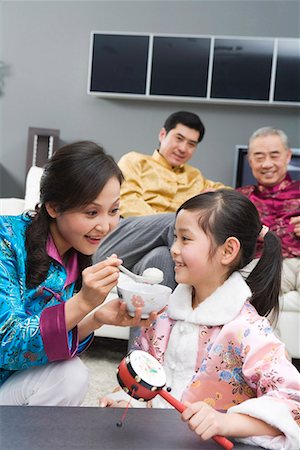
277 198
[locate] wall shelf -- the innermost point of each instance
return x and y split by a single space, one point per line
195 68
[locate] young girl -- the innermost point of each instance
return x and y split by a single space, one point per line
220 355
48 288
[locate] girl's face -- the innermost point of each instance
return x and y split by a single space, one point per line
191 254
85 227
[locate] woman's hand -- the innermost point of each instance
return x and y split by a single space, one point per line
119 399
205 421
115 313
97 281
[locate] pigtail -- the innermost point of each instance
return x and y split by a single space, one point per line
265 279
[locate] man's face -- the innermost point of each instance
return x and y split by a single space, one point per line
178 146
268 159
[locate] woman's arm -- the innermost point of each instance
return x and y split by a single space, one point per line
113 313
97 281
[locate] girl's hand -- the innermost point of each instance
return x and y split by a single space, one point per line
98 280
205 420
115 313
106 402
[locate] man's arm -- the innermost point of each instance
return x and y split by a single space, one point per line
210 185
132 192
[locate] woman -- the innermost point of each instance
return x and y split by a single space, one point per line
48 288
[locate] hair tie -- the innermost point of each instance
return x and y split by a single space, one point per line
263 231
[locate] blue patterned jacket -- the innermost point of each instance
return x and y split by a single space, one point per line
32 322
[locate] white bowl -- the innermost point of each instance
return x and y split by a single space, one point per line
151 297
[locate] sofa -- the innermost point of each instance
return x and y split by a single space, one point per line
288 326
15 206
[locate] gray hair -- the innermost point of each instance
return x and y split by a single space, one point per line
270 131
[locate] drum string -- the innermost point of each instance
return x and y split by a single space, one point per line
121 421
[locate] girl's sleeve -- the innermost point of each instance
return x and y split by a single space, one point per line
154 339
276 382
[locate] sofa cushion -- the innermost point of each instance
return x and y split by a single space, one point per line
290 302
32 188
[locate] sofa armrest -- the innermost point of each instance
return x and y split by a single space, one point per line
11 206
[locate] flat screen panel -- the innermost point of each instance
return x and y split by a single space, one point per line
242 68
180 66
287 83
243 173
119 63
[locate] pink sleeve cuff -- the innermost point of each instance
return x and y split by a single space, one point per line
54 334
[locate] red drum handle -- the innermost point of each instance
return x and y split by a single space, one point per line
172 400
221 440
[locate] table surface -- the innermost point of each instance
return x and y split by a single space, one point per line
89 428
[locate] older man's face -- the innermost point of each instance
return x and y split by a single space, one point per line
268 159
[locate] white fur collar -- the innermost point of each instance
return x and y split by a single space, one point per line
219 308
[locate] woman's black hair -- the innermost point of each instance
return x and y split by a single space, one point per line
73 177
226 213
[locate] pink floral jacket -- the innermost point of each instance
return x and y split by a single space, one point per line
225 354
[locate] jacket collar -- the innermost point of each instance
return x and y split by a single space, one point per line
71 266
219 308
163 162
278 187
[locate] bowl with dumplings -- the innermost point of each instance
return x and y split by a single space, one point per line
149 297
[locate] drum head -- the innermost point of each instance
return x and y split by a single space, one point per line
147 368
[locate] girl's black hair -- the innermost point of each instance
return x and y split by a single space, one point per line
73 177
226 213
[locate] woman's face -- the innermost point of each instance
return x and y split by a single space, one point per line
85 227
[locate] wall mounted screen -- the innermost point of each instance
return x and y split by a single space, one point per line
287 86
214 69
242 69
243 173
180 66
119 63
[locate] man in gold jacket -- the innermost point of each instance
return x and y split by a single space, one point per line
161 182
